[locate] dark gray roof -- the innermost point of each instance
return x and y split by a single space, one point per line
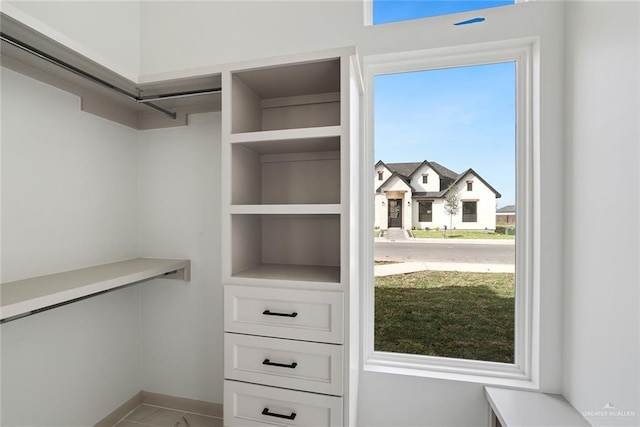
442 171
429 194
507 209
447 177
404 169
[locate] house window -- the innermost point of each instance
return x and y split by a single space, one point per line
379 176
385 11
425 179
469 185
408 326
425 211
469 211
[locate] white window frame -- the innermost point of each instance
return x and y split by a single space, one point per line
524 372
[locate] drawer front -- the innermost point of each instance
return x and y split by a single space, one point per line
284 313
299 365
255 405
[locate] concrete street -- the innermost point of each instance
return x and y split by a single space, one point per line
444 252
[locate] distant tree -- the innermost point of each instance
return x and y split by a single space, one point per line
452 204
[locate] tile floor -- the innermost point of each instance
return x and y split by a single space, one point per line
153 416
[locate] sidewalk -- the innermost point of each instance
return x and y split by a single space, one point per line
413 267
445 241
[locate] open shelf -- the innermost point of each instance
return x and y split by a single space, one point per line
286 209
298 137
290 171
286 247
23 297
307 273
295 96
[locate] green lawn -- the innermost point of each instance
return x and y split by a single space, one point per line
447 314
455 234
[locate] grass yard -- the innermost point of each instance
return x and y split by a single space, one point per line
446 314
455 234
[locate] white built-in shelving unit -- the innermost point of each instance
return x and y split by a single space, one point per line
289 144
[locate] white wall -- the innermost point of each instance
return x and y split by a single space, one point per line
69 200
107 32
179 217
602 324
433 179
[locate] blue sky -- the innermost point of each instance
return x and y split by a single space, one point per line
399 10
459 117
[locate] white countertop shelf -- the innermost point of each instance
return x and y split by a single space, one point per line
23 297
531 408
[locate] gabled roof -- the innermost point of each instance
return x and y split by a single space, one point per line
404 169
448 178
442 171
400 177
474 173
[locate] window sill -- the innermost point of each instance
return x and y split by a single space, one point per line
486 373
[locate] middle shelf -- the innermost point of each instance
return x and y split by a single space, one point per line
288 171
286 247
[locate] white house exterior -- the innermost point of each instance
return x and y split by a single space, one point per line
413 195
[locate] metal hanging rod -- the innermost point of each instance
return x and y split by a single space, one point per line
148 101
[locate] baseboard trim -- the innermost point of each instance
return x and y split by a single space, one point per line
163 400
114 417
182 404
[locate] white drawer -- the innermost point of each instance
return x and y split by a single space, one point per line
299 365
284 313
256 405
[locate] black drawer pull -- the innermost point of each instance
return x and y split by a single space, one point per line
281 365
265 411
269 313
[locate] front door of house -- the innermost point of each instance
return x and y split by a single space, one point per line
395 213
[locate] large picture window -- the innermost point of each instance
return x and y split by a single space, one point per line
425 211
469 211
461 117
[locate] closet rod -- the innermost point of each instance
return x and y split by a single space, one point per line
53 60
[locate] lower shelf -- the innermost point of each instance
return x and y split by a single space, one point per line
307 273
24 297
256 405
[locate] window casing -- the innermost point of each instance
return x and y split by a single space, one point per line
524 52
425 211
425 179
470 211
380 175
469 185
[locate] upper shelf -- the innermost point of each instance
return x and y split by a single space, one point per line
23 297
298 96
97 98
